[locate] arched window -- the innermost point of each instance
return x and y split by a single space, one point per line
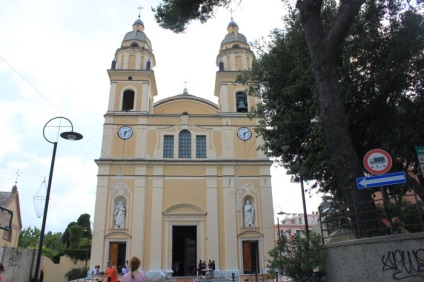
241 102
184 144
128 100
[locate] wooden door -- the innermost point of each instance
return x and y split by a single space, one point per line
250 257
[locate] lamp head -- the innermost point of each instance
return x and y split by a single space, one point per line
71 135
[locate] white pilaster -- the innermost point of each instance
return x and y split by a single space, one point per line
156 218
212 217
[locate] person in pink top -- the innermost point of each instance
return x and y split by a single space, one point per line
134 275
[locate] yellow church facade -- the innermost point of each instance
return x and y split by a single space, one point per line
180 179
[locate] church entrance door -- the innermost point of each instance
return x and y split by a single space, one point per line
250 257
184 249
117 253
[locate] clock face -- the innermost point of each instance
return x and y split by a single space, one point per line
125 132
244 133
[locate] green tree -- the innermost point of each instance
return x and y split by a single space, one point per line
75 232
53 241
386 118
67 234
296 256
85 223
29 238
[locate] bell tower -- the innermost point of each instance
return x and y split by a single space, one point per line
131 94
132 79
234 57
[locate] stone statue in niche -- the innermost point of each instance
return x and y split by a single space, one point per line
119 215
249 214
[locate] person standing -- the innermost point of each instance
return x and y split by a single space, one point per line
111 273
1 271
134 275
213 269
199 268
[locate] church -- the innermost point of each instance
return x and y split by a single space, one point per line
180 179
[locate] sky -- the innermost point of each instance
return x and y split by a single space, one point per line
54 56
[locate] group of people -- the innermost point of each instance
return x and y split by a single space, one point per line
132 272
202 265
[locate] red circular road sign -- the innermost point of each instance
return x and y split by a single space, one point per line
378 161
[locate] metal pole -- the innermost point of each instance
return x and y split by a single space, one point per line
305 215
278 226
43 226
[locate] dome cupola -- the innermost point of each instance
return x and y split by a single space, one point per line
136 51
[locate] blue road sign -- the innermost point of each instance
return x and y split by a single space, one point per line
381 180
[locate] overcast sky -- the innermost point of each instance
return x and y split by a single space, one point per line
53 60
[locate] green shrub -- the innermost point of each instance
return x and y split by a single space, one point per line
295 257
76 273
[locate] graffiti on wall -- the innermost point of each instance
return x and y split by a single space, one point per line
15 258
404 264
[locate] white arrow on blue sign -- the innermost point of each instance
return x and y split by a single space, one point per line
381 180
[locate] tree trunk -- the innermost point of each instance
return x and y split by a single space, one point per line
322 48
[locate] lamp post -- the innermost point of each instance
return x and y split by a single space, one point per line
305 215
68 135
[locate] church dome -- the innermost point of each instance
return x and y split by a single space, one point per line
137 34
232 23
233 35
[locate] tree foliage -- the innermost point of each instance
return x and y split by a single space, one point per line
380 66
176 14
29 238
53 241
295 256
52 244
84 222
75 236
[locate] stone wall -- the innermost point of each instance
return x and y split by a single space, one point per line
19 265
387 258
56 272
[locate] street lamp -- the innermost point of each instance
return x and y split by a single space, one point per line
68 135
278 224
